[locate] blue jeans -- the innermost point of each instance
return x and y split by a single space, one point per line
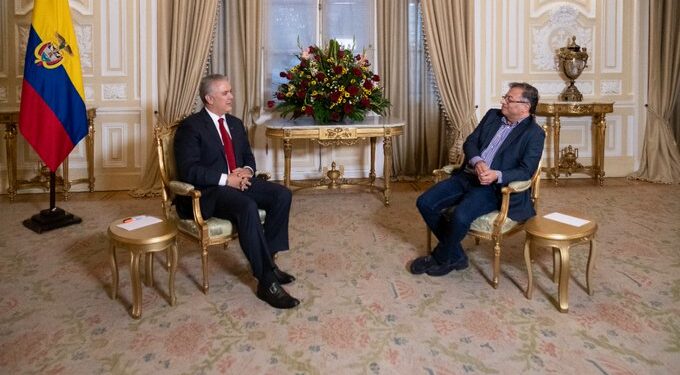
471 199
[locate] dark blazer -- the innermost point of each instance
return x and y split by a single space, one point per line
517 158
200 158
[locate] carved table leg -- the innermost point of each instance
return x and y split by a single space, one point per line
11 150
173 269
136 284
563 294
527 261
287 153
387 168
556 151
600 124
371 175
591 265
114 271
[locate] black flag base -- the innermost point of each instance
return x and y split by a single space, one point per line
49 219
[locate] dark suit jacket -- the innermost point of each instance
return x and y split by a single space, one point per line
200 158
517 158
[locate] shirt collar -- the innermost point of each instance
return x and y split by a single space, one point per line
507 122
213 116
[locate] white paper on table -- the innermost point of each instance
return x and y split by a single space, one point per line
566 219
140 221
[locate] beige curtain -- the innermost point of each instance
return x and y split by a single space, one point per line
409 86
675 123
185 31
449 44
238 54
660 160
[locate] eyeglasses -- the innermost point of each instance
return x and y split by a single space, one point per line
509 100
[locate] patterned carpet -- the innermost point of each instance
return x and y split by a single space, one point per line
361 311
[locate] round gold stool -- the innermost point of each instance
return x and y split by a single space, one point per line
560 237
146 240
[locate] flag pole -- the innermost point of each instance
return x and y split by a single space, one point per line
53 191
53 217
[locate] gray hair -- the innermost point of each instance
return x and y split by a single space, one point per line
205 87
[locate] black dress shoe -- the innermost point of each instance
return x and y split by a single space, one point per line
443 269
283 277
422 264
276 296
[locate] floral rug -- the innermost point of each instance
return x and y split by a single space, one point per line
361 311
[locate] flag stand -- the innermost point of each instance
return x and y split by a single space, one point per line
53 217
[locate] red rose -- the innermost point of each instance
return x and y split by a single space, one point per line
270 104
301 94
309 111
357 72
341 54
365 102
368 85
376 78
352 90
289 75
335 96
280 96
347 108
337 69
320 76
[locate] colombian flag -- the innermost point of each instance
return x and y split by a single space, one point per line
52 117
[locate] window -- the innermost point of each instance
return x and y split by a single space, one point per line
292 24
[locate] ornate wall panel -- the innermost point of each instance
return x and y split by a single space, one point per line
113 43
114 152
111 34
517 41
612 35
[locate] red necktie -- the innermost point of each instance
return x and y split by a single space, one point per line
228 146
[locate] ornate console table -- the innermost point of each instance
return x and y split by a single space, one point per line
338 135
566 162
10 120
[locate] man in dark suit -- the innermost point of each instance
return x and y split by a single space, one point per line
218 160
506 146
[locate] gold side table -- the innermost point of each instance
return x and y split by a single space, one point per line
143 241
559 236
567 162
10 121
341 134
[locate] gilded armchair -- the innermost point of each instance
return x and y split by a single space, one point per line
213 231
496 224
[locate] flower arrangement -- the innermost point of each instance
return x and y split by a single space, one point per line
330 84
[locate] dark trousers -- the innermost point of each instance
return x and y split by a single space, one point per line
471 199
259 242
